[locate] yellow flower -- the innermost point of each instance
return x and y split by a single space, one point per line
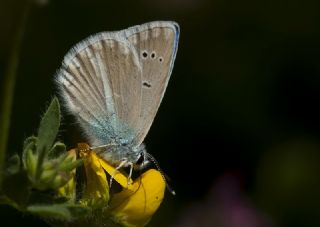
135 204
96 193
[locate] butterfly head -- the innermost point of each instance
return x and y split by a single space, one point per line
142 160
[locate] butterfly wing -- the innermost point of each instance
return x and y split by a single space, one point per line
156 44
100 81
113 82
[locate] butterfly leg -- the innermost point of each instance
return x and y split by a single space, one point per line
122 163
130 172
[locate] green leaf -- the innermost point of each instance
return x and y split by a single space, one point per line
51 211
4 200
47 132
49 126
63 212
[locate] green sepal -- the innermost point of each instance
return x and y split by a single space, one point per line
69 165
30 164
57 172
29 144
65 173
57 150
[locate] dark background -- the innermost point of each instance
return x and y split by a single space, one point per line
238 131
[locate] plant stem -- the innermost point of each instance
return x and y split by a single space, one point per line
7 90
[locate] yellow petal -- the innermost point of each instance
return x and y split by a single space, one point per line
118 176
136 205
96 193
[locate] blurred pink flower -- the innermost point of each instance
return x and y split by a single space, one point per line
225 206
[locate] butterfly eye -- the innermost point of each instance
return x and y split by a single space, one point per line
140 159
160 59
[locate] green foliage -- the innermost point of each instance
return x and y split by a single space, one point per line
61 212
45 168
31 182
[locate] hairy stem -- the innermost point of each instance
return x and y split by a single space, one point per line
7 88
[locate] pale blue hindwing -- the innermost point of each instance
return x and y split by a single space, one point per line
88 92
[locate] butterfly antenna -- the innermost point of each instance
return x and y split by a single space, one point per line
154 161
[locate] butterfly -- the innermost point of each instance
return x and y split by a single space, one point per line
113 83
